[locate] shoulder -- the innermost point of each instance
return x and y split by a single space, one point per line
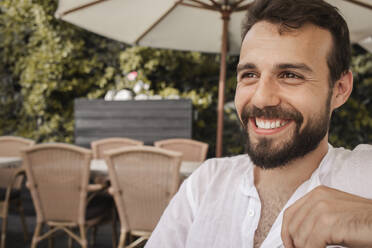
215 176
221 168
351 170
360 158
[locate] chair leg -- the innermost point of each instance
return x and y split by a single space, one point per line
35 238
23 220
50 242
114 233
84 242
123 235
51 239
94 236
69 242
3 230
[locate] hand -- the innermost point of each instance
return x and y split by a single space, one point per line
327 216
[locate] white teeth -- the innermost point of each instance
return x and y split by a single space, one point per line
277 124
260 123
266 124
273 125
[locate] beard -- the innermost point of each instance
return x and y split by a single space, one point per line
265 155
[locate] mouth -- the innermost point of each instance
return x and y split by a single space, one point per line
269 126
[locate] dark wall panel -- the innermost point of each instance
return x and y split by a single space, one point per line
148 120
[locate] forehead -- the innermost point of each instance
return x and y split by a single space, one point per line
308 44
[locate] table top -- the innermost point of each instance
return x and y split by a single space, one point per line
10 162
99 165
187 167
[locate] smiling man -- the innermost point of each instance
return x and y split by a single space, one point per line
292 188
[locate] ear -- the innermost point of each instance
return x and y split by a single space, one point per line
342 90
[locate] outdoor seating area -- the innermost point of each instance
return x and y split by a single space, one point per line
70 206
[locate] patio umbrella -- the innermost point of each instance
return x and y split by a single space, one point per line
211 26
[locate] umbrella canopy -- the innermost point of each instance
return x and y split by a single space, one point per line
211 26
170 24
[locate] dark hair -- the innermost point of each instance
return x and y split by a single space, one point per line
293 14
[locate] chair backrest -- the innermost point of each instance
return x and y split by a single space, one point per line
102 145
11 146
58 177
143 180
7 178
191 150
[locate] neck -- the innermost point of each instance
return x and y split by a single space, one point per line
289 177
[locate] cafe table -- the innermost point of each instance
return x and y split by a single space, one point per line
10 162
99 166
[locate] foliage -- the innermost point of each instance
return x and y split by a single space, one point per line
352 123
47 63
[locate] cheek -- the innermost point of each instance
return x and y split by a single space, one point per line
309 108
242 98
310 103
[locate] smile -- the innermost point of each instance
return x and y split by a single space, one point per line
268 126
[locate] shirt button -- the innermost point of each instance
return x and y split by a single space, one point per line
250 213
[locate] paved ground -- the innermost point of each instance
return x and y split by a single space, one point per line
15 233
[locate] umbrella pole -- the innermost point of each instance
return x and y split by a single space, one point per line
221 85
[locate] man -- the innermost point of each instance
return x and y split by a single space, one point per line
293 189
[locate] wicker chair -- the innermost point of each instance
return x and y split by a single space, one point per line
191 150
11 181
102 145
143 180
58 177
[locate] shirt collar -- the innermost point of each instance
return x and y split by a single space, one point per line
247 181
248 188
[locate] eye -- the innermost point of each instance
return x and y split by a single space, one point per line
249 75
290 75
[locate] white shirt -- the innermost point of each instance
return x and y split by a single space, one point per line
218 205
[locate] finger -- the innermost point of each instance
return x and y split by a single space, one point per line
315 243
314 227
290 216
286 237
295 214
293 223
318 236
300 229
285 232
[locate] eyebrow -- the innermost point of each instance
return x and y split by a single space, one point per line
245 66
299 66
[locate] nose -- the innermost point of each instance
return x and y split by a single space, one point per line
266 93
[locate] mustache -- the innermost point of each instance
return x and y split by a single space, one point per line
271 112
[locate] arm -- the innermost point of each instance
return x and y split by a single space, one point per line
327 216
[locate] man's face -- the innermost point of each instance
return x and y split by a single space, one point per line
283 96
